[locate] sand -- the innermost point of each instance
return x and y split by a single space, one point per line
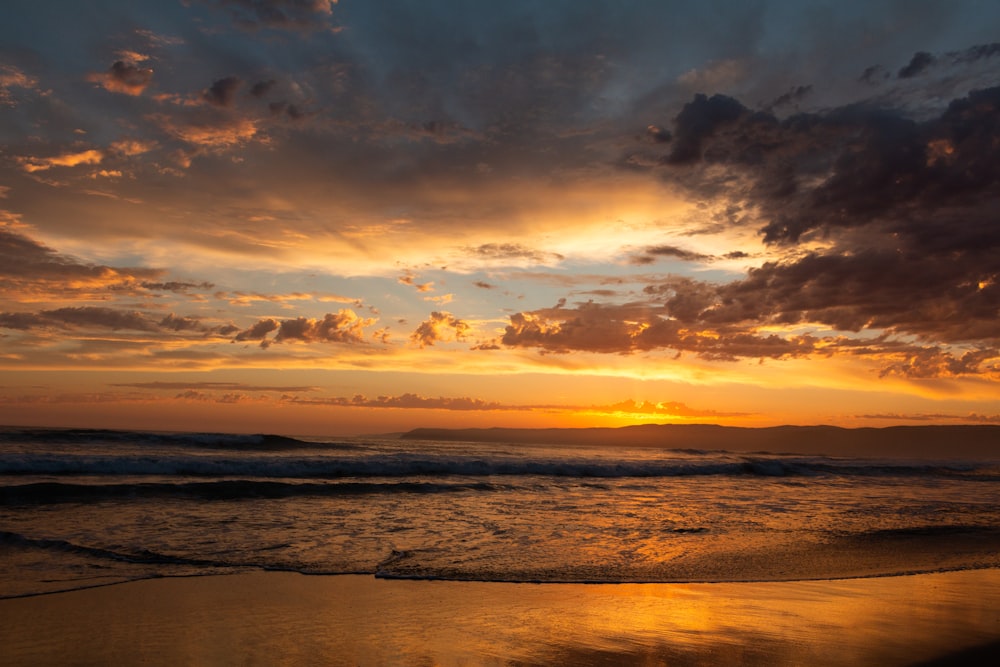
271 618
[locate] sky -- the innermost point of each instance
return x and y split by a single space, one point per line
322 217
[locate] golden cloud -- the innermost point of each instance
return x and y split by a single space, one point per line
218 134
33 164
123 77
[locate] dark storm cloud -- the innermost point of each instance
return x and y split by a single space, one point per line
906 211
920 61
873 75
932 296
262 88
908 207
792 97
698 121
222 92
978 52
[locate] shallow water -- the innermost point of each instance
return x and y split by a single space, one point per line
83 508
287 619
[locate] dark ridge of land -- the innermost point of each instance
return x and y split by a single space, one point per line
924 442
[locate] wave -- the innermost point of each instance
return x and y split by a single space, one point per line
144 556
423 466
42 493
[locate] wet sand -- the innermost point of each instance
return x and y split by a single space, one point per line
270 618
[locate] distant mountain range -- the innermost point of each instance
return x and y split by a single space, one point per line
934 442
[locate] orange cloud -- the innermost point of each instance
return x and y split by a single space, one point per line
441 326
407 401
32 272
12 77
130 147
410 279
668 409
215 134
33 164
249 298
123 77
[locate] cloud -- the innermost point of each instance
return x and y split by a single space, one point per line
873 75
974 53
440 299
410 401
174 322
934 417
258 331
262 88
124 77
132 147
12 77
698 121
629 328
653 252
439 327
501 252
344 326
666 408
920 61
222 93
217 132
80 317
716 75
35 272
407 402
298 15
409 279
172 286
792 97
687 320
886 223
249 298
89 318
213 386
933 362
87 157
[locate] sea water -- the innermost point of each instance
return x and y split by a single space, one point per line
82 508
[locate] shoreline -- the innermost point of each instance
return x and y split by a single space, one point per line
514 582
267 617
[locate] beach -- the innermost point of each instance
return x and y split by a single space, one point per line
274 618
139 548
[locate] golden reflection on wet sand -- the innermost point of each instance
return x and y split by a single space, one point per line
267 618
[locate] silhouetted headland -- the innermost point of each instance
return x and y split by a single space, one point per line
928 441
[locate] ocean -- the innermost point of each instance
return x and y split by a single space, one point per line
84 508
